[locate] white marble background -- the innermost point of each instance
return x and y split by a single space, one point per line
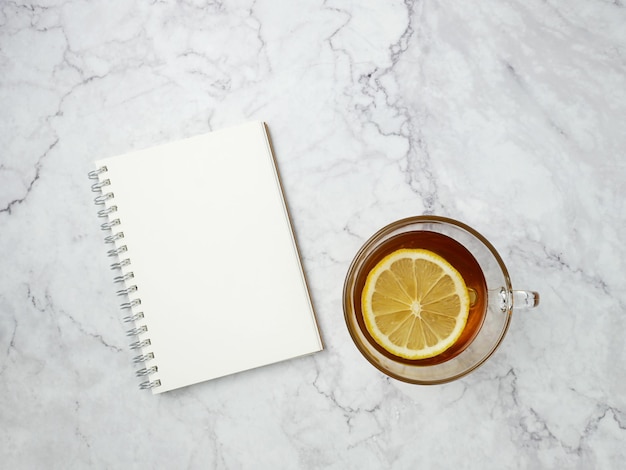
507 115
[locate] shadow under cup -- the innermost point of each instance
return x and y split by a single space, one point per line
496 299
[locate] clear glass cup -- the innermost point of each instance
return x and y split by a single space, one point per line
499 303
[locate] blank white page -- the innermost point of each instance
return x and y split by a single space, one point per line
213 255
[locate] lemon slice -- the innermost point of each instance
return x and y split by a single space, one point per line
415 304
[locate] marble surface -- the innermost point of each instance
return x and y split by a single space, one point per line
508 116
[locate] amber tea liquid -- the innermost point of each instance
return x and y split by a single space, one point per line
455 254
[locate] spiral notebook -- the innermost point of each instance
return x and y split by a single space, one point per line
206 257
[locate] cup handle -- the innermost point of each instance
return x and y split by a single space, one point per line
523 299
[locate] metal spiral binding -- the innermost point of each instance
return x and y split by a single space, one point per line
140 344
114 238
121 264
146 371
137 331
97 187
107 211
109 225
133 318
124 277
95 174
105 199
149 384
118 251
131 304
143 358
127 291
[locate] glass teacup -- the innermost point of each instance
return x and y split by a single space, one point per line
489 287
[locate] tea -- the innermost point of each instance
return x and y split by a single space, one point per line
455 254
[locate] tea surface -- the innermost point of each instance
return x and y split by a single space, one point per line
455 254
